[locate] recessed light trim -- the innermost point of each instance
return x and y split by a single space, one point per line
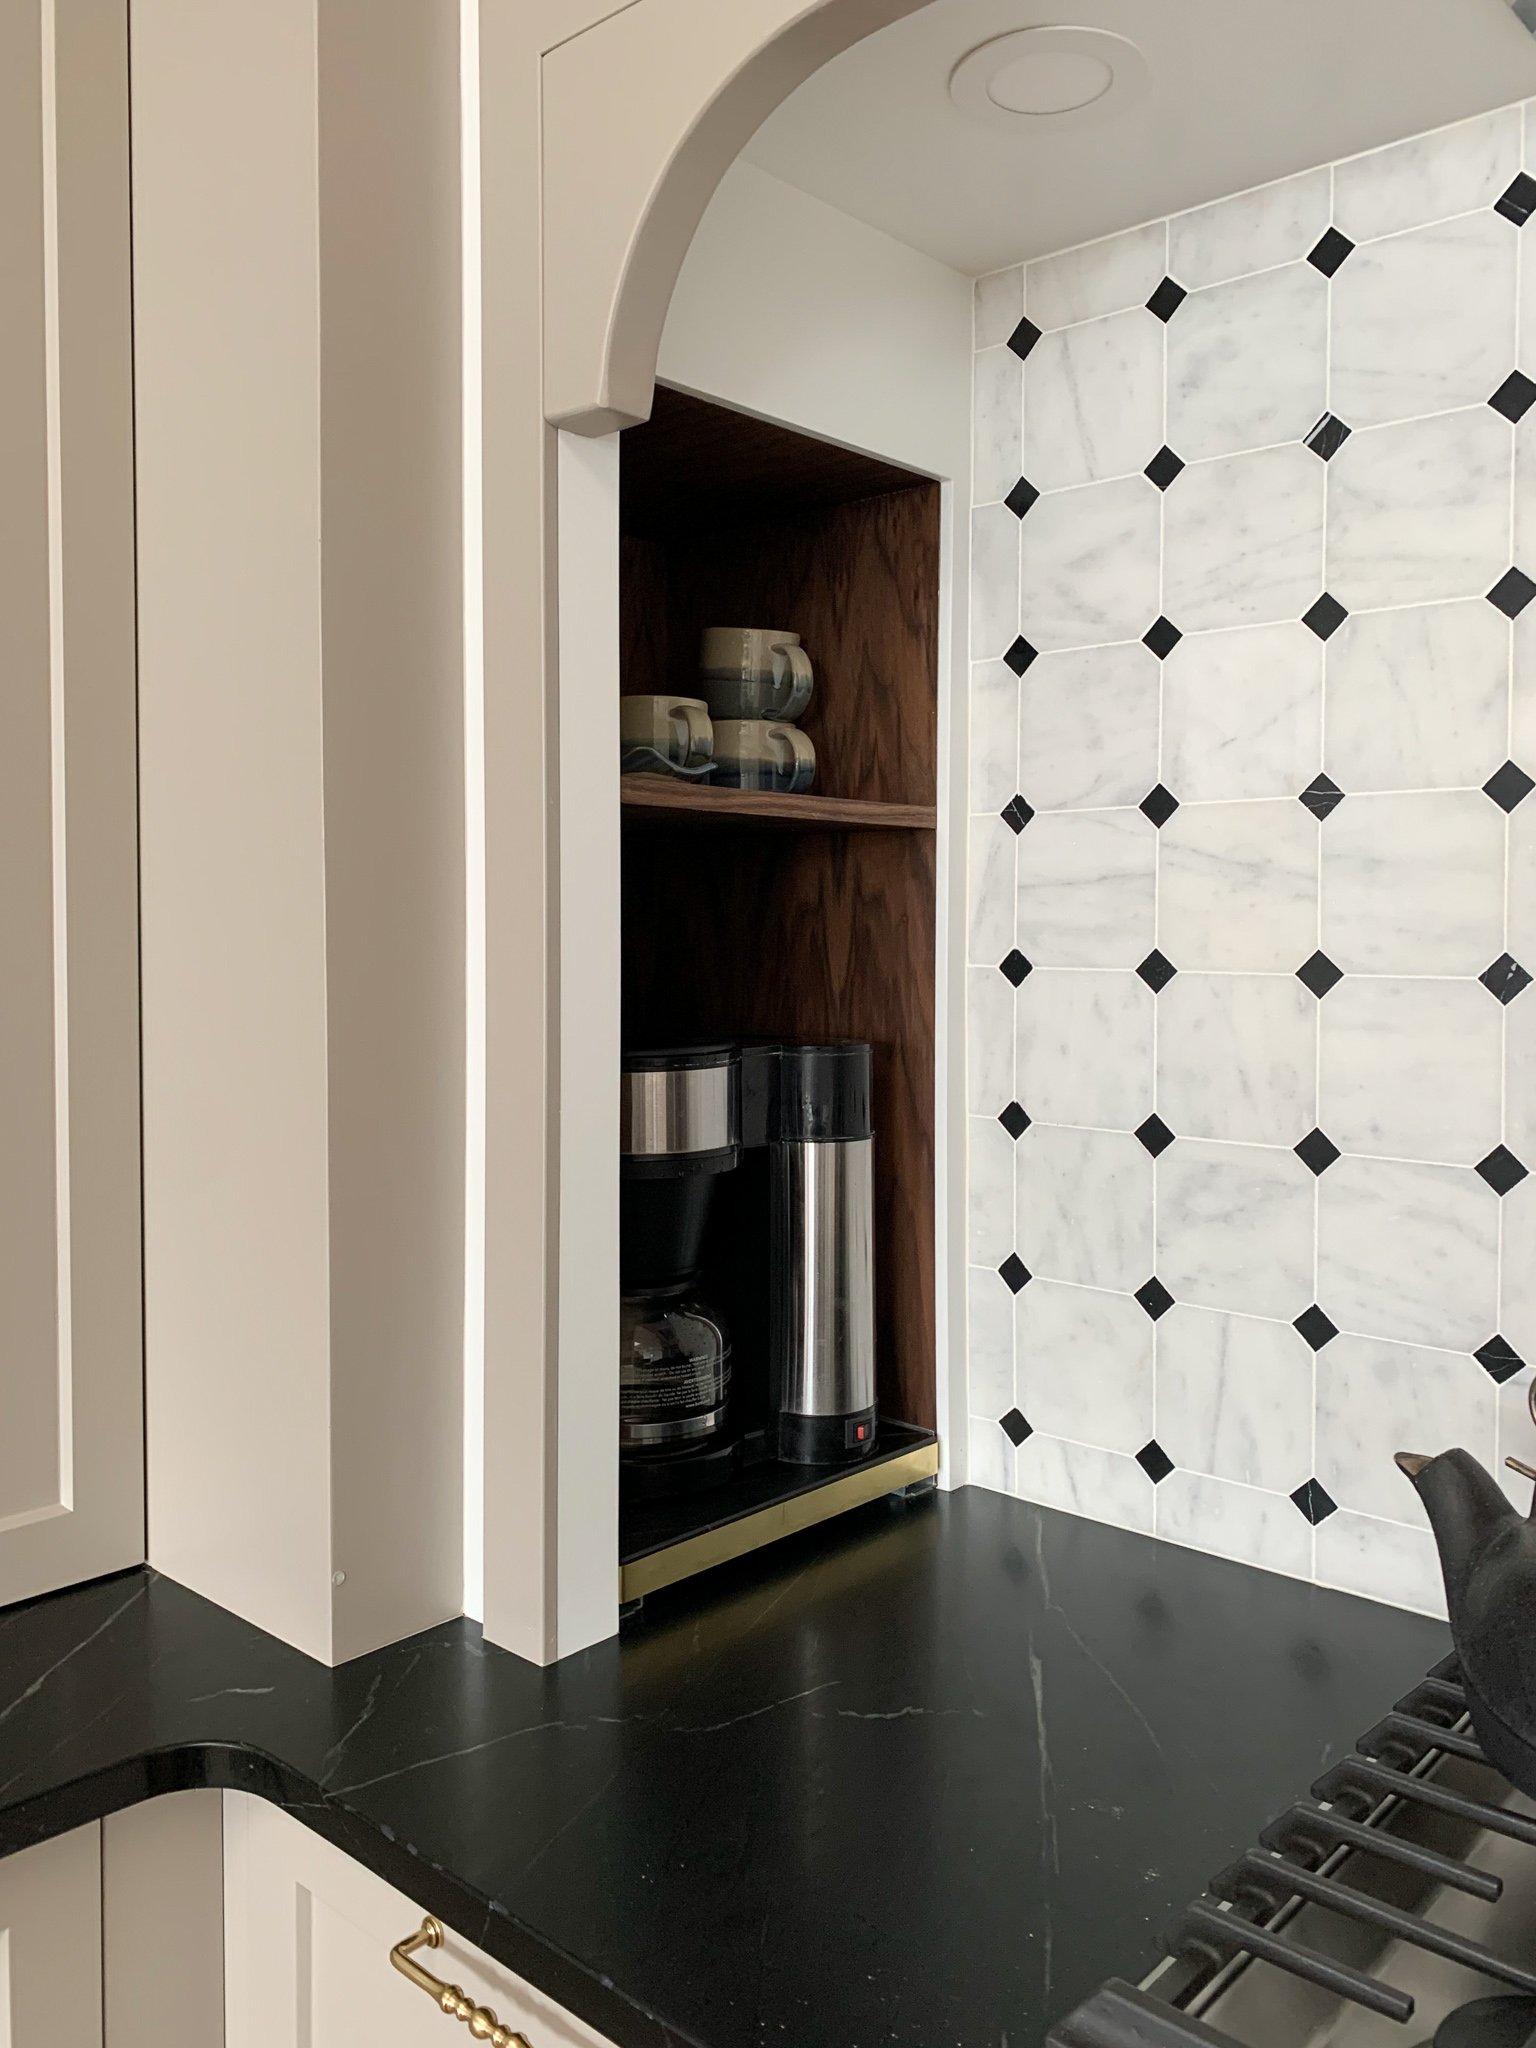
1038 78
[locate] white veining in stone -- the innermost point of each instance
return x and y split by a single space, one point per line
1420 510
1522 706
997 424
1428 177
994 581
1255 230
1238 886
998 302
1234 1228
1085 1047
1519 1020
1517 1300
1408 1251
1243 539
1094 402
1234 1397
1243 713
1418 699
1521 928
1100 277
1381 1561
994 735
1255 1528
990 1195
1413 884
1237 1057
1374 1399
989 1032
1085 1365
993 851
1088 722
1080 1479
989 1308
1230 386
1085 888
1090 564
1410 1069
1084 1207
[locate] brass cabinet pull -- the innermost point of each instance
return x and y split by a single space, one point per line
481 2021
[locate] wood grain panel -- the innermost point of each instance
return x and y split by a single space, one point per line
697 803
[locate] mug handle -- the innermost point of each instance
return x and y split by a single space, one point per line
793 675
695 732
795 750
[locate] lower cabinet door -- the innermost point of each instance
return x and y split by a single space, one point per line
307 1935
50 1943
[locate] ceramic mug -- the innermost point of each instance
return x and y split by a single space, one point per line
678 729
762 753
754 672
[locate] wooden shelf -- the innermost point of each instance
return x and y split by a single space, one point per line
696 803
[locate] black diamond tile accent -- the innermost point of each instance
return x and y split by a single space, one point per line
1517 201
1325 617
1508 786
1016 1275
1015 967
1016 813
1328 436
1315 1327
1329 251
1162 636
1314 1502
1515 396
1317 1150
1322 795
1512 593
1502 1170
1506 978
1159 805
1167 299
1155 1135
1024 337
1014 1120
1164 467
1154 1297
1157 971
1014 1427
1154 1461
1021 497
1319 974
1499 1359
1020 655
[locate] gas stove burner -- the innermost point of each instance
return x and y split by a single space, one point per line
1489 2023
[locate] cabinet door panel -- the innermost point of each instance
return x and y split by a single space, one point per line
71 1459
50 1944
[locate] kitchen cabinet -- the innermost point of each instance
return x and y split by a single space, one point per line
307 1939
50 1943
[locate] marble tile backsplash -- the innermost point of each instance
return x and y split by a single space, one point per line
1251 1048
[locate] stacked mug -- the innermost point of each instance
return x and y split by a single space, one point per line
741 733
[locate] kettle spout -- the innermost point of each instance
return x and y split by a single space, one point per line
1467 1510
1411 1462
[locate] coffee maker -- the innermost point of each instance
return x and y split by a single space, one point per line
746 1260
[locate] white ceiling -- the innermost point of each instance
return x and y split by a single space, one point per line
1242 91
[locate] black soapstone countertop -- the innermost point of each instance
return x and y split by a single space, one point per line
924 1775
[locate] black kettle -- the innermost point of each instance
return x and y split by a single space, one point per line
1488 1557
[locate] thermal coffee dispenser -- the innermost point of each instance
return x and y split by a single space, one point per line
746 1260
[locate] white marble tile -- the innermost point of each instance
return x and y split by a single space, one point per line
1520 931
1248 363
1418 699
1237 1057
1096 278
989 1083
1256 230
1093 406
994 581
1516 1437
991 1458
1517 1275
1423 321
1243 539
998 303
1084 1207
1410 1069
997 424
993 854
1234 1397
1080 1479
1085 1365
1088 720
1428 177
1408 1252
989 1342
1376 1399
1234 1228
994 735
1090 564
1243 713
1522 704
1519 1028
1413 884
989 1195
1237 886
1420 510
1384 1561
1085 891
1262 1529
1085 1047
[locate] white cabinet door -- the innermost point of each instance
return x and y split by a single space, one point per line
71 1457
162 1911
307 1935
50 1943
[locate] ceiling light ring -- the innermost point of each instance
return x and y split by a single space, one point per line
1063 56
